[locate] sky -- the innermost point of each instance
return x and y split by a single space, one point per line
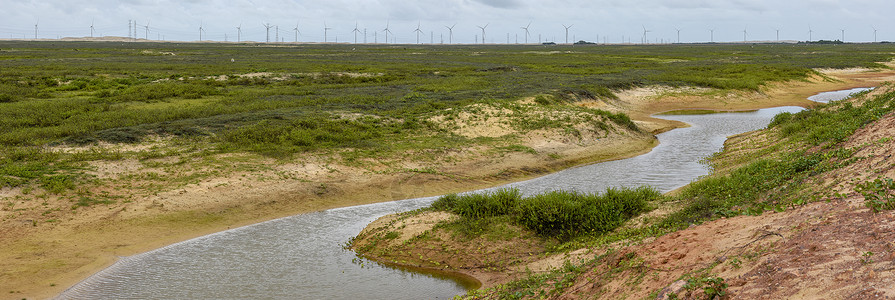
611 21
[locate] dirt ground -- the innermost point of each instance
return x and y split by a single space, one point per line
40 256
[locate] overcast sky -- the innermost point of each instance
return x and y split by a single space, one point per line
608 20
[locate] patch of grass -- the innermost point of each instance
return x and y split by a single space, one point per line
813 125
560 214
57 184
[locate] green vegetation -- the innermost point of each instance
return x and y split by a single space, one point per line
711 286
358 101
560 214
879 194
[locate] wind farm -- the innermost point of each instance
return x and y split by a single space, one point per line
670 35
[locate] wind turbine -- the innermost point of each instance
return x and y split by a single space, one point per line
645 40
418 31
712 31
810 32
451 33
267 39
35 28
325 30
297 32
239 33
678 35
147 30
778 33
483 31
355 31
567 31
91 28
744 34
526 31
843 35
874 34
200 32
386 31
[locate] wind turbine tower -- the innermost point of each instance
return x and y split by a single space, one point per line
146 34
267 26
645 39
567 31
712 32
355 31
810 32
843 35
678 35
526 31
418 31
200 32
239 33
778 33
386 31
451 33
35 28
91 28
483 32
874 34
744 34
325 31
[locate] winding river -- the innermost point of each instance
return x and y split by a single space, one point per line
301 257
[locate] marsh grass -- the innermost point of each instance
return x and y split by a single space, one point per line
558 214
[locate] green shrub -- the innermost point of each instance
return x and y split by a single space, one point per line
478 206
571 214
878 194
561 214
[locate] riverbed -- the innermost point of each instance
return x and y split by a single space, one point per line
301 257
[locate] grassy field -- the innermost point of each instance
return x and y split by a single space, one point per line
370 100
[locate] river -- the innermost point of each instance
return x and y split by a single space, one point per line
301 257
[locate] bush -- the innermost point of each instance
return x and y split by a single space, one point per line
561 214
571 214
879 194
477 206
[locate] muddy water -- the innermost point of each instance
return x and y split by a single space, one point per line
301 257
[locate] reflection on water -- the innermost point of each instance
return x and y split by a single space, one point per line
301 257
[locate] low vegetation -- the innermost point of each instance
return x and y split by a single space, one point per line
559 214
369 101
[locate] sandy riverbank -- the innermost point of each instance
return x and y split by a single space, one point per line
39 259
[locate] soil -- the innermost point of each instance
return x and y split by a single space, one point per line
46 247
